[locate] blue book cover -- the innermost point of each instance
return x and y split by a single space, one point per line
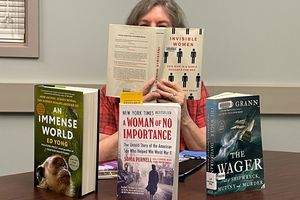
234 144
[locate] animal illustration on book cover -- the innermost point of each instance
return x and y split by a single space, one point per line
234 145
148 152
58 140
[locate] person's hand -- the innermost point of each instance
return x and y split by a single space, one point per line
149 95
170 92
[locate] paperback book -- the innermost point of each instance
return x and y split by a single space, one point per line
148 151
234 144
66 139
137 54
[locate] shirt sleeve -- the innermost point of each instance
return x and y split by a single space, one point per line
197 108
109 113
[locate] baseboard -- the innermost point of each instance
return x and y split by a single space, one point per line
18 97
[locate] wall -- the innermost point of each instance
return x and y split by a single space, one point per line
250 42
16 143
247 43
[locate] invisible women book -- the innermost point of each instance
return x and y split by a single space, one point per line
137 53
234 144
148 151
66 139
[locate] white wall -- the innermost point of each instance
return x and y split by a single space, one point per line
16 143
70 45
249 42
246 42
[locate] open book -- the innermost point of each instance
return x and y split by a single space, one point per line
137 54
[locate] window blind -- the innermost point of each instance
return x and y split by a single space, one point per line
12 21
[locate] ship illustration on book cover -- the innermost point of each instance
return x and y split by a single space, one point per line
234 144
148 151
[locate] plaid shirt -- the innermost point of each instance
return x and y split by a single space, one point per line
109 112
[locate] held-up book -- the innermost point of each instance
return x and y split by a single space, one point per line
234 144
137 53
66 139
148 151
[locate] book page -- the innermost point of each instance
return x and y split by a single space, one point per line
132 52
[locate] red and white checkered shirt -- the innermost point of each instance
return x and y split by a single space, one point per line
109 112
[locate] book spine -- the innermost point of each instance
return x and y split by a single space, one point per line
97 146
210 137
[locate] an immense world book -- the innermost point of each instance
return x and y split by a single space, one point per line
66 139
234 144
148 151
137 54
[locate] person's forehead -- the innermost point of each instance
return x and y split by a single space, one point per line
157 12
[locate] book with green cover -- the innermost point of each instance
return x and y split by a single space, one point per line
234 144
66 139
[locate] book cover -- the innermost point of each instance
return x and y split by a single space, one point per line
137 54
148 151
234 144
66 139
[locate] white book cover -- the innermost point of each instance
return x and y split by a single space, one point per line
149 136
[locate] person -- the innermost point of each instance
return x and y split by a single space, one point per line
158 13
152 182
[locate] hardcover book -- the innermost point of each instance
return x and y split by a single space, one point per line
137 54
148 151
66 139
234 144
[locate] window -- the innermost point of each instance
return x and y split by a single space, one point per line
19 28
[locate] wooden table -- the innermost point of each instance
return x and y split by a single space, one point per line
282 173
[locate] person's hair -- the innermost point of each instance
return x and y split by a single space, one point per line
174 11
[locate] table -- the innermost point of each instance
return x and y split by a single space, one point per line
282 178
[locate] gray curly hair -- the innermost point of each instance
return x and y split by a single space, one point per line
174 11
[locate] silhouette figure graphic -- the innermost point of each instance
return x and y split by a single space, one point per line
184 80
179 55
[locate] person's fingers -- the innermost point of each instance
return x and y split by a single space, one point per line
171 92
166 91
147 87
151 96
163 101
171 85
